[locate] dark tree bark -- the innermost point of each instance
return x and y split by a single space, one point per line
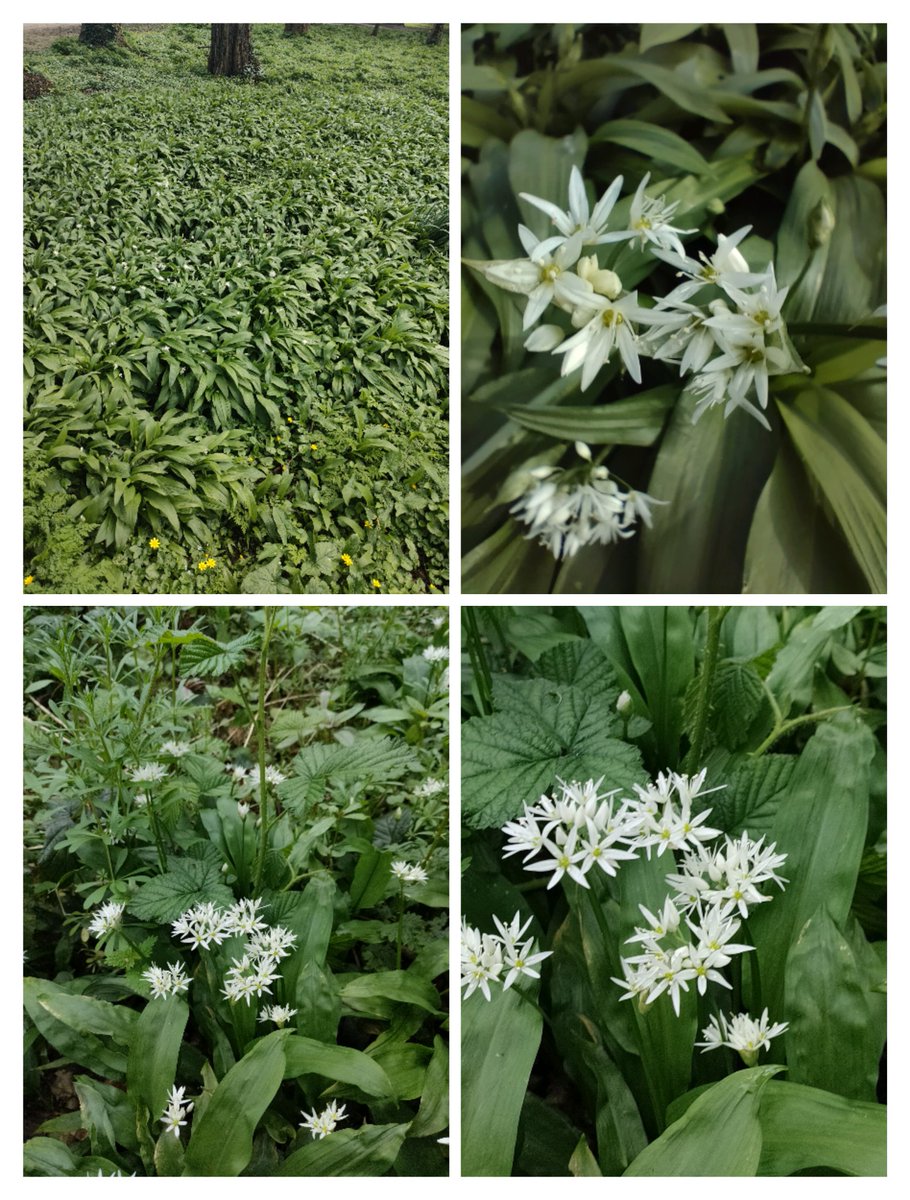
296 30
101 35
375 30
231 51
434 35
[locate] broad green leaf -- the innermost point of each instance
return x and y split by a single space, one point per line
204 656
405 1063
188 881
390 985
655 142
154 1048
169 1156
752 794
222 1139
660 644
633 422
433 1113
543 731
744 48
659 35
720 1134
803 1128
792 677
499 1042
547 1139
535 633
304 1056
846 458
837 1024
85 1015
828 796
317 1002
369 1150
311 920
48 1156
541 166
583 1163
371 878
84 1048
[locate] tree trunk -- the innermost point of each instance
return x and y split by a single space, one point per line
375 30
231 51
101 35
296 30
434 35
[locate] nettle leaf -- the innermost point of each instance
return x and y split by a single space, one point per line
188 882
752 795
205 656
375 760
542 732
736 699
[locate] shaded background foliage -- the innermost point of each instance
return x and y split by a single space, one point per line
777 126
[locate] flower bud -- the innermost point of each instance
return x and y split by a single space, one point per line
624 703
583 450
604 282
821 224
544 337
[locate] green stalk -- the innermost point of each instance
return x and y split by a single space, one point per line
478 662
400 920
716 614
269 614
807 719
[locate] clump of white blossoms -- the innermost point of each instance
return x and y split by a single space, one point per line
692 937
730 342
175 749
166 981
741 1033
148 773
430 787
485 956
279 1013
176 1111
436 653
324 1123
406 872
568 508
272 776
106 919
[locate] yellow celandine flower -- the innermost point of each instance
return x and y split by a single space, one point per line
290 420
28 579
368 524
347 560
154 543
210 562
202 566
375 583
314 445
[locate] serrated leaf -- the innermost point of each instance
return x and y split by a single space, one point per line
752 795
204 656
375 760
187 882
542 731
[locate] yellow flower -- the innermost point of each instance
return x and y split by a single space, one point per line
154 544
210 562
314 445
203 566
347 560
375 583
290 420
29 579
368 524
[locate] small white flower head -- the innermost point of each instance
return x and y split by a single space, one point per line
485 956
430 787
436 653
279 1013
141 800
175 749
406 872
176 1111
106 919
623 703
324 1123
741 1033
148 773
242 809
238 773
169 981
272 776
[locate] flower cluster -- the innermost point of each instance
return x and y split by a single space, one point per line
568 508
430 787
166 981
176 1112
730 342
279 1013
324 1123
148 773
741 1033
485 956
691 937
436 653
106 919
175 749
256 969
408 873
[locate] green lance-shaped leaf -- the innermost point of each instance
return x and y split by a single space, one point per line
805 1128
371 877
837 1023
401 986
370 1150
821 827
87 1049
222 1141
499 1042
636 421
719 1134
304 1056
154 1048
433 1113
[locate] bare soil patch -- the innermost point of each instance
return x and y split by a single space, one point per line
41 37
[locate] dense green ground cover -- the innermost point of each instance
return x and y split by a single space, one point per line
236 316
332 724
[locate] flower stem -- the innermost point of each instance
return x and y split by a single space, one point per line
400 921
785 727
482 677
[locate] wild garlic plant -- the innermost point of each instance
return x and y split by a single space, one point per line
715 883
722 326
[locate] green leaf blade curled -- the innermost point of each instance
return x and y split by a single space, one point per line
719 1134
369 1150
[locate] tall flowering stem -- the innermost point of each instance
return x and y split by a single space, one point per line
269 614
